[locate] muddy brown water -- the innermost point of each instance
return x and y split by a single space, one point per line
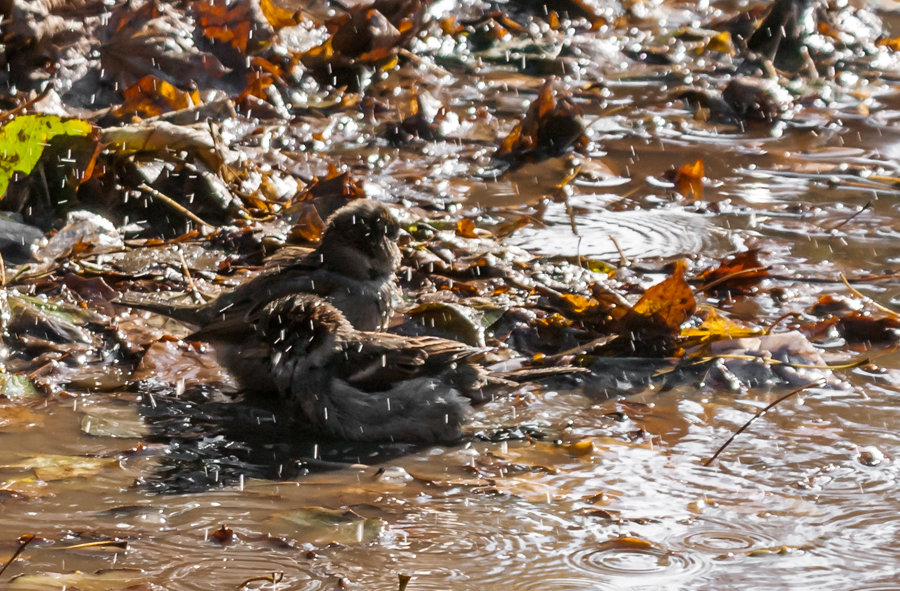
806 498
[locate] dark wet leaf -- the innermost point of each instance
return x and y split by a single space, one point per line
861 327
223 535
225 21
737 274
551 127
155 39
322 525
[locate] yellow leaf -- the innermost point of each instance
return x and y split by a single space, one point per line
22 141
716 328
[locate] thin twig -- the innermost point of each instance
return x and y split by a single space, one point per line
623 260
422 62
731 276
173 204
23 541
760 413
841 223
848 365
857 293
18 109
198 298
778 320
274 578
2 271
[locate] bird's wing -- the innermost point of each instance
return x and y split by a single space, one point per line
377 361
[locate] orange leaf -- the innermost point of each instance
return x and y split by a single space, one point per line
220 22
151 96
466 228
670 302
689 179
278 17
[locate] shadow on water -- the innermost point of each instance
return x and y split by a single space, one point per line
215 442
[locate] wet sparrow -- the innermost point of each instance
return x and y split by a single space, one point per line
346 383
353 268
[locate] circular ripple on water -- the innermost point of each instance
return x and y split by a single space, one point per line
228 571
720 540
644 233
639 565
486 539
565 584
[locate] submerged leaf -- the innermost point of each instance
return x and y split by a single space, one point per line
322 525
104 580
60 467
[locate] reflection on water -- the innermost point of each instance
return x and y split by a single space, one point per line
789 504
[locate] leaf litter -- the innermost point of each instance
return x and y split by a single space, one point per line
211 139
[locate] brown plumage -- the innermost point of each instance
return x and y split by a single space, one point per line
353 268
346 383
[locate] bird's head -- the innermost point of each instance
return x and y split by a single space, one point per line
360 240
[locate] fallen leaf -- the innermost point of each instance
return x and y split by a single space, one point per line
23 139
59 467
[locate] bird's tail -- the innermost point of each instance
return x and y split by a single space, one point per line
182 312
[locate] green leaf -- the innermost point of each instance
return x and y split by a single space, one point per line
16 387
23 139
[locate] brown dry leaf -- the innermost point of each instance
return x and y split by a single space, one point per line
550 127
450 27
257 83
164 138
309 225
652 327
737 274
721 43
579 303
151 96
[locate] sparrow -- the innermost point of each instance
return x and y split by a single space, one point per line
347 383
353 267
